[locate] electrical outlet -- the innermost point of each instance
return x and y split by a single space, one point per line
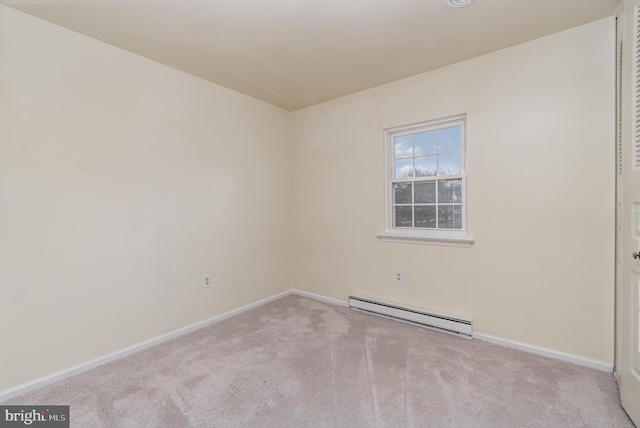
206 280
399 276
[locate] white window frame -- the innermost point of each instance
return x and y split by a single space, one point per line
414 235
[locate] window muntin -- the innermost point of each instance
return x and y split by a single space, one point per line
426 181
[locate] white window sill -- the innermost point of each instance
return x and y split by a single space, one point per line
447 241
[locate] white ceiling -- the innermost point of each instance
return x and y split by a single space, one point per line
296 53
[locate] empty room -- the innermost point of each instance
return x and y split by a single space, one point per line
287 213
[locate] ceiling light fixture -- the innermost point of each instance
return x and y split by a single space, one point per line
457 3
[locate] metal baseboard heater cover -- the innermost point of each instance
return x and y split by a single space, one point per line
423 317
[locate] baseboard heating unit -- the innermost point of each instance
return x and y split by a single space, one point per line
423 317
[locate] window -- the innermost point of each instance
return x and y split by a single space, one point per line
426 182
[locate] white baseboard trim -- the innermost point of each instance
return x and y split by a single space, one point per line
24 388
546 352
533 349
320 298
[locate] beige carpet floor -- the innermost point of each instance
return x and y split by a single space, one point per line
297 362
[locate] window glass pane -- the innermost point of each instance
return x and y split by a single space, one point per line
404 168
426 166
450 217
403 147
402 217
449 191
449 164
425 193
425 216
457 217
449 139
425 143
402 193
428 175
445 217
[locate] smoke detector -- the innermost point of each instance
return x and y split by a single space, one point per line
457 3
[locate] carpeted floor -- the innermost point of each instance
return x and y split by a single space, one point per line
298 362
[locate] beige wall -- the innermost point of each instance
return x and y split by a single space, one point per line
540 193
122 182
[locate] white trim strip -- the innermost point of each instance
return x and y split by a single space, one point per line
546 352
319 297
428 240
24 388
532 349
